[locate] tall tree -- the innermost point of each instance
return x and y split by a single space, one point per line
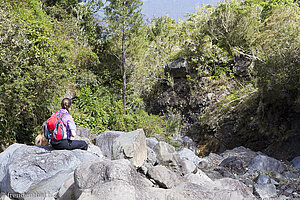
123 18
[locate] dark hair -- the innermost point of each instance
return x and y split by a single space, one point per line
66 103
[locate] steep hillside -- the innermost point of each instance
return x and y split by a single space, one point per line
236 81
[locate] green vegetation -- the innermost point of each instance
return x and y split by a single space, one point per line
123 19
50 49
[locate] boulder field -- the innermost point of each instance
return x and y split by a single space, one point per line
129 166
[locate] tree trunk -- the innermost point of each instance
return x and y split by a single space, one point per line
124 71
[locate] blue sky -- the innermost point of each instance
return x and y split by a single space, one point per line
173 8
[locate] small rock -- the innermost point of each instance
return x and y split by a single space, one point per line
233 163
289 190
266 191
203 164
283 187
282 197
291 175
95 150
66 191
274 182
227 174
151 156
210 96
4 197
296 162
295 194
187 166
151 142
164 177
189 155
189 143
263 179
211 160
279 177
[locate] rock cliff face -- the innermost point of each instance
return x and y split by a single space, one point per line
219 116
126 172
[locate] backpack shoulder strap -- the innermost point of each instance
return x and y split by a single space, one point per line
62 115
60 119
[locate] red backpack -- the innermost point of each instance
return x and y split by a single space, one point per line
54 128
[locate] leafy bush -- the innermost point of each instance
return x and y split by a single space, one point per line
278 47
99 110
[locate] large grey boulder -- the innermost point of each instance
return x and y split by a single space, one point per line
107 179
5 158
164 177
84 132
244 154
34 169
131 146
105 141
95 172
167 155
265 163
296 162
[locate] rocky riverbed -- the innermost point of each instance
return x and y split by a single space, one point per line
127 166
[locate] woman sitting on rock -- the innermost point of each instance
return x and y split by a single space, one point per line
70 128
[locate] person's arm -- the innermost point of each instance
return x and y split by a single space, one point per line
73 133
71 125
